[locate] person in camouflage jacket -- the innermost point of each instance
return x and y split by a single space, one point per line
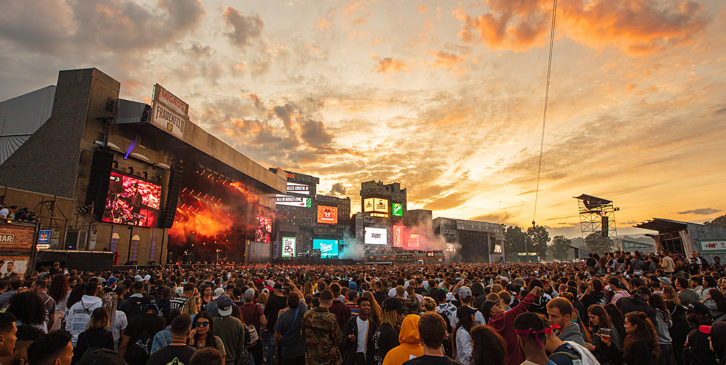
322 334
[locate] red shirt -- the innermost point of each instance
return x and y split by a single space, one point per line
251 314
503 323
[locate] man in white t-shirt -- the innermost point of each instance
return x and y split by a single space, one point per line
358 336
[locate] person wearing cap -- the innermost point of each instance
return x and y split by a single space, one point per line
211 307
386 336
358 334
466 297
717 337
322 334
697 350
252 314
231 331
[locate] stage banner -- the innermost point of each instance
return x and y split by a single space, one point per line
169 113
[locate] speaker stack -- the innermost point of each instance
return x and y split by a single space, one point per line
98 181
175 182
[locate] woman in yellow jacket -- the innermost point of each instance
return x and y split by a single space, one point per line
410 343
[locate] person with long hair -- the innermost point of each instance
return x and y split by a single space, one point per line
716 303
641 342
96 336
117 318
709 282
616 318
376 311
489 347
462 344
59 290
680 328
28 309
662 324
606 342
386 336
202 334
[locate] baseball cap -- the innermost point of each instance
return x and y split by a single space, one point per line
138 278
224 305
217 293
392 304
464 293
717 328
665 280
698 308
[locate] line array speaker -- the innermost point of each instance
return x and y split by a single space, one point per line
98 181
175 182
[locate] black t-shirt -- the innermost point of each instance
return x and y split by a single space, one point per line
273 307
430 360
177 355
384 339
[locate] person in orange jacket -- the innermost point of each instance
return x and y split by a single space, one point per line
410 343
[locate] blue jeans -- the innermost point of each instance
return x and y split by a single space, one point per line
268 346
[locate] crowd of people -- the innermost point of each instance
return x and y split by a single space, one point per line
621 308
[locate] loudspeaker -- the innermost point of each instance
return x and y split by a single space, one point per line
98 181
605 226
175 182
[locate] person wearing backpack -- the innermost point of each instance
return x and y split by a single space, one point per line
253 317
287 331
96 336
137 339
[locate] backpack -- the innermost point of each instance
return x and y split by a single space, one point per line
138 351
583 357
252 335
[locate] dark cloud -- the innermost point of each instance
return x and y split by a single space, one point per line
499 217
702 211
720 111
246 28
66 27
337 189
314 133
284 112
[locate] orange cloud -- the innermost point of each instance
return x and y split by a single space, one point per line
389 64
323 24
422 9
637 26
446 60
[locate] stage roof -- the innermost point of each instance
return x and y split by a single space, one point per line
663 225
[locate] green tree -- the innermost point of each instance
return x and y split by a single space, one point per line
514 243
718 222
537 239
596 243
561 248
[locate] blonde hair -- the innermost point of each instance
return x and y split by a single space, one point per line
670 295
429 304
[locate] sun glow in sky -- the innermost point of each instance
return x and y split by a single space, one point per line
445 97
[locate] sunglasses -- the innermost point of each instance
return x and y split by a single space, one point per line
201 324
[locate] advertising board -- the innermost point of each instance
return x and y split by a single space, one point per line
713 245
131 201
293 201
397 209
413 241
327 214
375 236
288 246
169 113
375 205
263 231
294 188
328 248
397 235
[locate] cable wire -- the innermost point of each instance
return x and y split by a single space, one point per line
544 114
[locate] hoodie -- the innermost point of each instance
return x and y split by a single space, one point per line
503 323
410 343
80 314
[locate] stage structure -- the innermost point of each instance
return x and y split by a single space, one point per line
597 215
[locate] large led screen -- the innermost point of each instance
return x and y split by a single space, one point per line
397 209
293 188
397 235
328 248
375 205
263 231
131 201
327 215
375 236
293 201
288 246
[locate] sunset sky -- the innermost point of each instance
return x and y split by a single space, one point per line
445 97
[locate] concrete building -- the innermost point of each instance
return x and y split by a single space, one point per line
478 241
92 142
382 207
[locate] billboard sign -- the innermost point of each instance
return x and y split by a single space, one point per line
44 236
288 246
713 246
376 236
327 215
169 113
293 201
131 201
397 209
375 205
413 241
397 235
328 248
302 189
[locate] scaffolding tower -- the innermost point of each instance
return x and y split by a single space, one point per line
597 215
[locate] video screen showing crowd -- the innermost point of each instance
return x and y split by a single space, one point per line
620 308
